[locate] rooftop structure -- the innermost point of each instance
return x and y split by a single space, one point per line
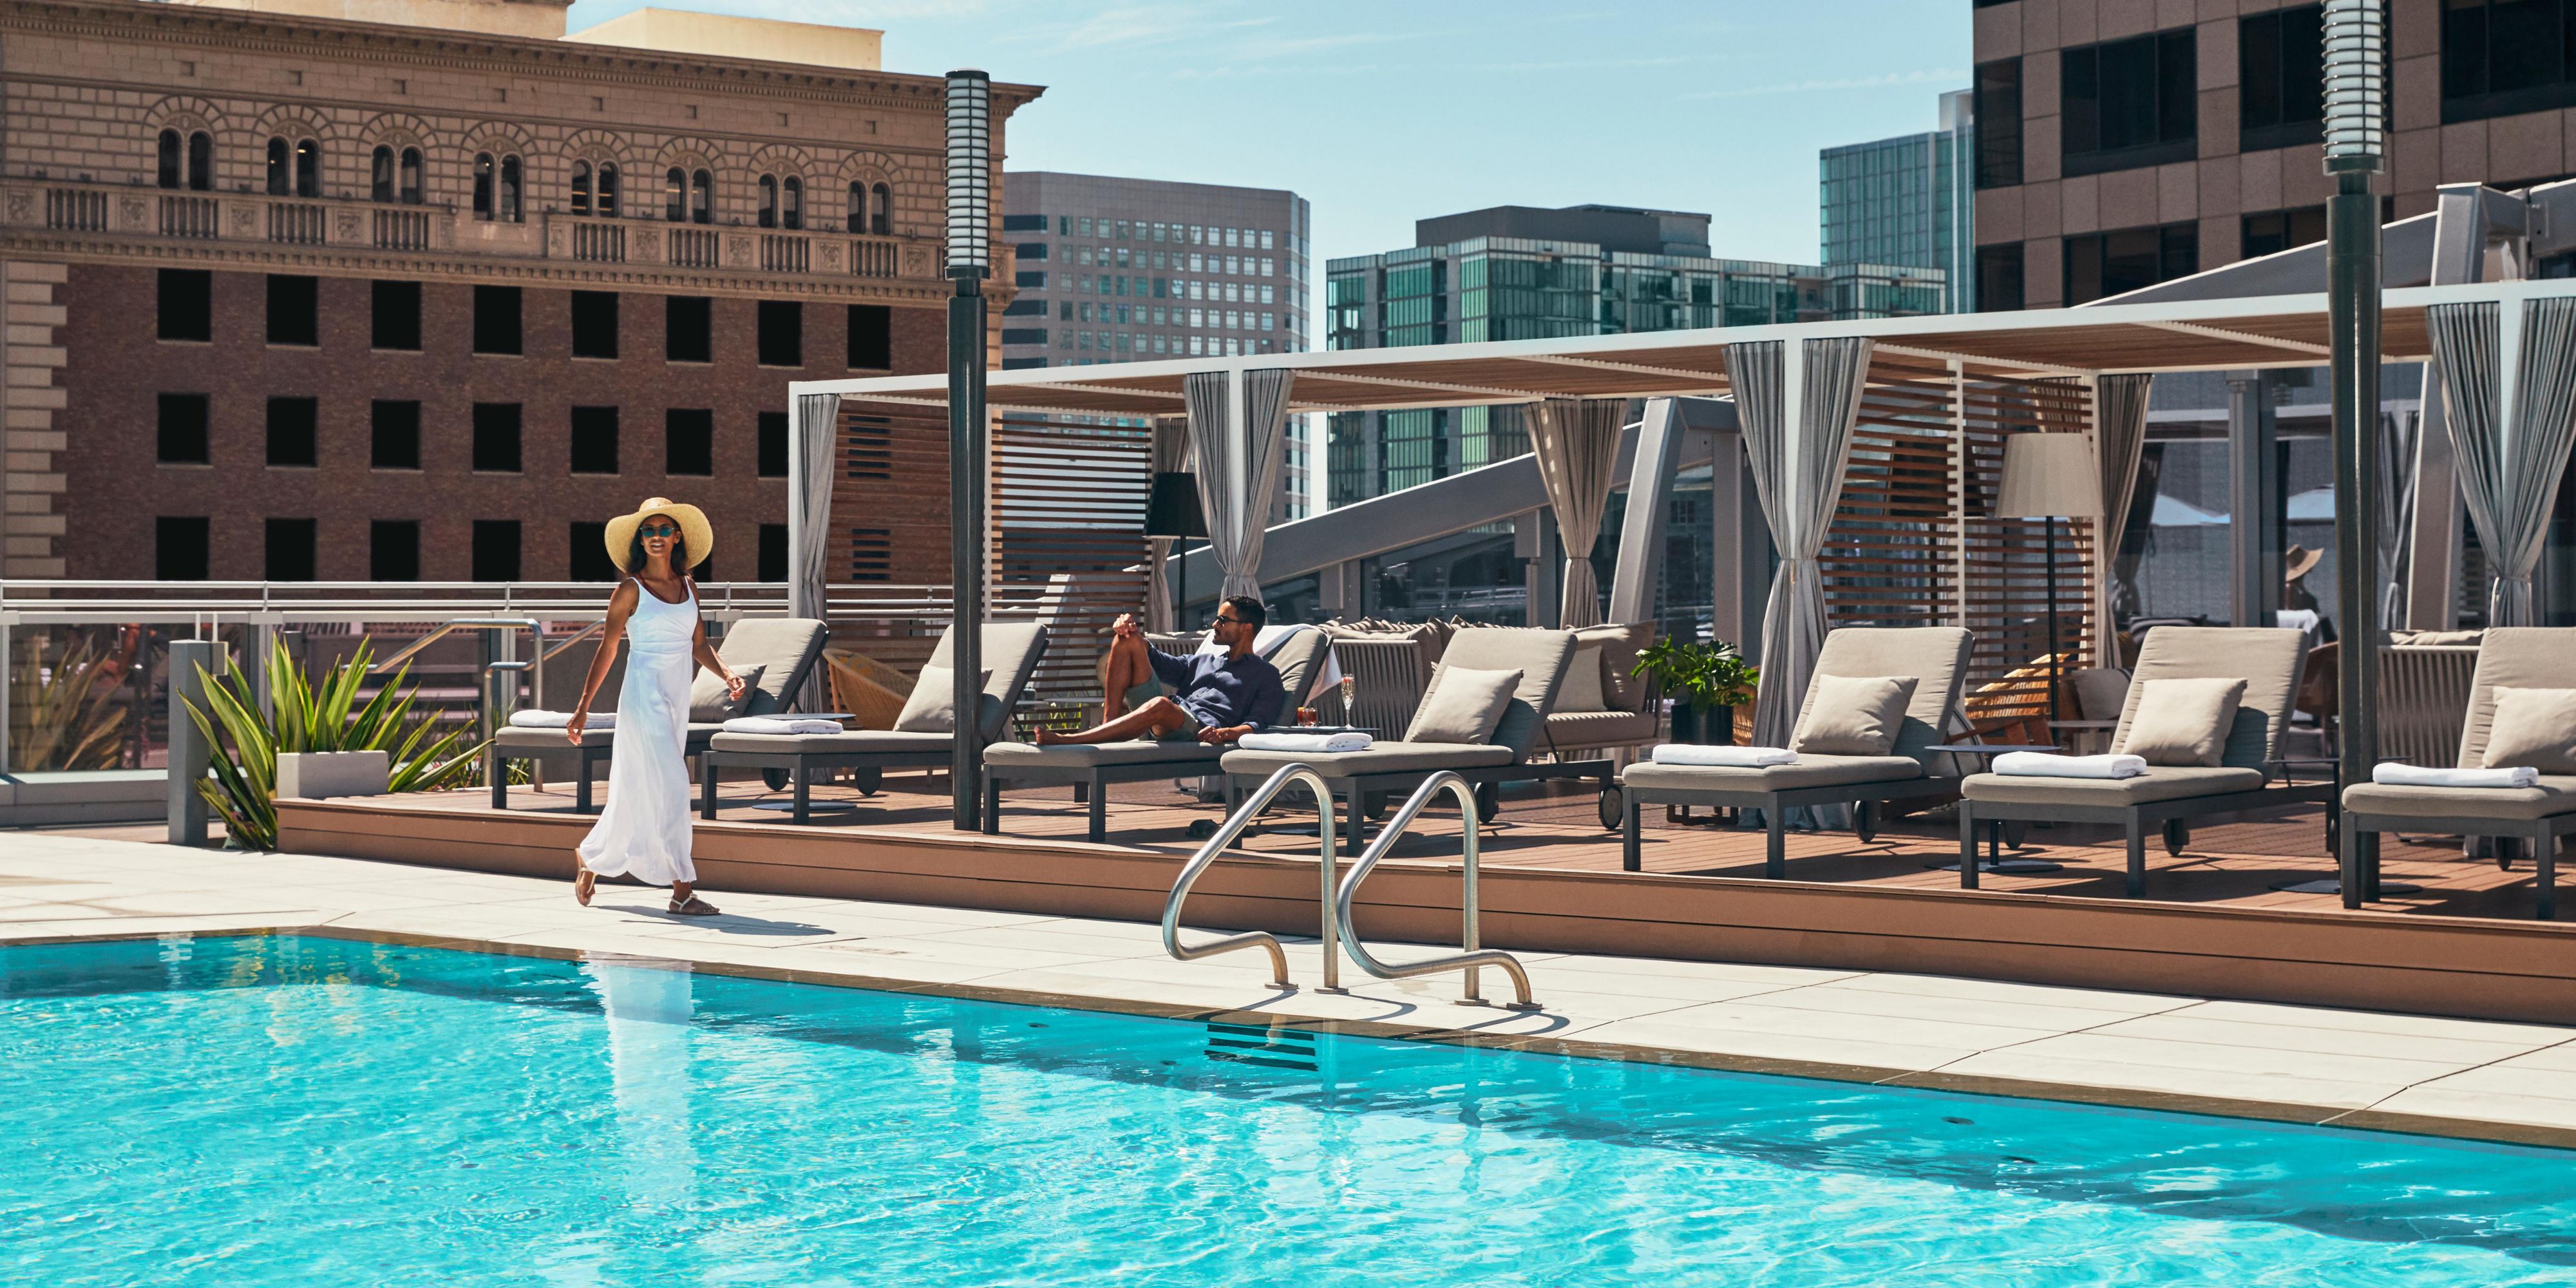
1907 200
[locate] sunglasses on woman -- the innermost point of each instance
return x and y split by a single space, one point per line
659 530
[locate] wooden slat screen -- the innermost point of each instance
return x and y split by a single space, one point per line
1068 547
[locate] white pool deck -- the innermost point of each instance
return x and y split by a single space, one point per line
2511 1082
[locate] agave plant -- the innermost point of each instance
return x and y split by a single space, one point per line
67 715
242 789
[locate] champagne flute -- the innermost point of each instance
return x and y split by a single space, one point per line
1350 684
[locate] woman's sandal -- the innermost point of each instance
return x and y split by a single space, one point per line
584 881
692 907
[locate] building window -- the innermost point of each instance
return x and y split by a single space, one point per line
2106 264
773 444
594 440
688 329
2273 231
511 211
607 191
590 561
689 441
294 310
2280 76
769 201
1999 278
496 438
791 202
702 198
291 550
871 337
281 169
181 548
308 169
675 195
2129 103
186 305
485 173
1024 335
496 550
174 170
2505 57
394 435
773 552
393 550
858 207
381 182
782 333
581 187
496 320
410 176
395 323
183 436
594 324
294 435
881 210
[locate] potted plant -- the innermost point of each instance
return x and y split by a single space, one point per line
1706 683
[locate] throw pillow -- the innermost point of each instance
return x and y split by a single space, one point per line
2535 728
2183 722
933 705
707 701
1463 706
1582 688
1854 715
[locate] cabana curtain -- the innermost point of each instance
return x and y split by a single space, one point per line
2512 424
1797 424
1236 479
2397 438
2119 440
817 437
1576 441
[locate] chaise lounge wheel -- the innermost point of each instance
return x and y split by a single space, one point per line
1488 807
1202 828
775 778
1612 808
2176 837
2016 831
1865 822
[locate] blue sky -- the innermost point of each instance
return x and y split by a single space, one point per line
1382 113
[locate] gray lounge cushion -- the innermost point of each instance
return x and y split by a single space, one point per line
1463 706
1384 758
2556 794
1541 657
1852 715
2267 658
1011 652
1583 691
932 708
2183 721
1010 755
1810 771
2159 783
523 741
1620 691
2513 657
1937 656
784 648
1590 730
2534 728
861 740
711 703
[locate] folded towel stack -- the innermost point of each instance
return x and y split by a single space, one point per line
2041 764
560 719
1683 753
1313 742
780 724
2393 774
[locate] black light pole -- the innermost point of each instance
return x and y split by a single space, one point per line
970 251
2356 97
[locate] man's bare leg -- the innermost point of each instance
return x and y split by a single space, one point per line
1129 666
1152 720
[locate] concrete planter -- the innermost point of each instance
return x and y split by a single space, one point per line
313 775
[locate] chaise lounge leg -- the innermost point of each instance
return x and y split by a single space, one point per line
581 794
499 770
1628 857
2137 855
1967 845
2544 848
1355 818
804 790
992 822
1097 808
1775 849
707 786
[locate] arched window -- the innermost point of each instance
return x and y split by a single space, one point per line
484 174
511 210
281 171
675 195
702 198
411 176
791 202
607 191
201 161
769 201
858 207
171 175
308 169
380 174
881 211
581 187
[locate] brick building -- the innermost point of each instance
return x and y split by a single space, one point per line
2125 142
297 297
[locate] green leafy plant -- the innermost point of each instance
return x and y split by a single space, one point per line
1703 675
68 712
242 788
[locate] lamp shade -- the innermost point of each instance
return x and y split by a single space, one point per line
1172 509
970 174
2049 476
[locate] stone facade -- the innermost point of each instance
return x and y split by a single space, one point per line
91 87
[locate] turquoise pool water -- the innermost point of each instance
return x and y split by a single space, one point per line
258 1110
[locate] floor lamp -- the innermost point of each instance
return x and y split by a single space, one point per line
2049 477
1172 510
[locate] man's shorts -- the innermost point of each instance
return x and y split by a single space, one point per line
1188 732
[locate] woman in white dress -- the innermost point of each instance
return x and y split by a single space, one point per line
644 830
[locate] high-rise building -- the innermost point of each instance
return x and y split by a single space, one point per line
1130 270
1520 273
1907 200
293 296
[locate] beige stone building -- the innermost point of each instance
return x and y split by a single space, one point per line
415 289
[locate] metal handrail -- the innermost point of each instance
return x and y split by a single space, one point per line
1233 827
534 627
1474 956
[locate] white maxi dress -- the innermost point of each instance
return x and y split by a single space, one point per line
644 830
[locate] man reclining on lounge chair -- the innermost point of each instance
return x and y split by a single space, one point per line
1219 697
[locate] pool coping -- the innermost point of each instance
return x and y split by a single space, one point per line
2293 1112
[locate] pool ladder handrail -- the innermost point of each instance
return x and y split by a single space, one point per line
1474 956
1233 827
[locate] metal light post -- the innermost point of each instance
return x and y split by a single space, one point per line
970 261
2356 99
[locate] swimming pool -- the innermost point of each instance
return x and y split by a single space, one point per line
250 1110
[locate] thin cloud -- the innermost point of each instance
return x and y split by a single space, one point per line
1943 74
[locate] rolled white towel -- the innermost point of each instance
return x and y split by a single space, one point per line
2393 774
781 724
2041 764
1684 753
1314 742
560 719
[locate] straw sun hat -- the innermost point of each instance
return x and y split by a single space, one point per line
2296 562
697 538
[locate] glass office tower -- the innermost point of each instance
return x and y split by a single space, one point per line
1908 200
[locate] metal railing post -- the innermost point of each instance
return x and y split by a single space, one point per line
191 662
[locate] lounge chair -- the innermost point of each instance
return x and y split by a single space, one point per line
1010 653
785 648
2517 657
1937 659
1541 657
1091 767
1624 718
2267 658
